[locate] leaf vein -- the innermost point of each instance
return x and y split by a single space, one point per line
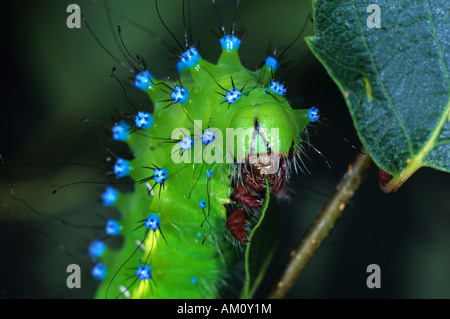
389 99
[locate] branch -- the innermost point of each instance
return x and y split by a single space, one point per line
324 223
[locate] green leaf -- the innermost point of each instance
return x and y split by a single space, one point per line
395 79
263 242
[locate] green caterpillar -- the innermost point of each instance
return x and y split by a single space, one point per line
218 139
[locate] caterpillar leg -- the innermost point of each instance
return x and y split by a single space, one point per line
249 194
236 225
246 197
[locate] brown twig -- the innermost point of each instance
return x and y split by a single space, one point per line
322 226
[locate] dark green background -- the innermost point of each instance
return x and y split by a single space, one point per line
53 77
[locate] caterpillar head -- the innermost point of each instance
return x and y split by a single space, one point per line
268 131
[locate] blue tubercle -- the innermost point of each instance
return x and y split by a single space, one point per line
186 143
188 59
144 272
179 95
109 196
208 137
98 272
313 114
202 204
120 131
233 95
143 80
209 174
272 63
194 280
112 227
230 42
277 87
153 222
97 248
143 120
122 167
160 175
